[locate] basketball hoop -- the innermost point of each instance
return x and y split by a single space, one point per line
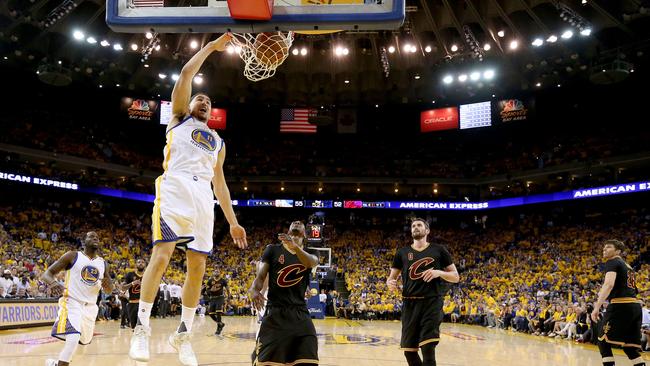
262 53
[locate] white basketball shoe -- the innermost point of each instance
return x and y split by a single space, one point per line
139 350
181 342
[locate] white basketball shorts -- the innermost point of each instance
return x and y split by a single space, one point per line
75 317
183 213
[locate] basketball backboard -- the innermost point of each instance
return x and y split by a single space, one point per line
133 16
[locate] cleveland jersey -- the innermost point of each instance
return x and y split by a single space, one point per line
288 278
216 287
192 149
413 263
83 279
625 284
134 290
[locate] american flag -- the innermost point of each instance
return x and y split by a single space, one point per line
297 120
147 3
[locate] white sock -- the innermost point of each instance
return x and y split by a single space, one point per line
144 312
187 317
71 343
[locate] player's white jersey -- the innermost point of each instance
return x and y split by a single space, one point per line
84 279
192 149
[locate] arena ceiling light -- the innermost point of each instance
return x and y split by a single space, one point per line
295 52
391 49
91 40
462 78
303 51
486 47
78 35
501 33
585 32
104 43
194 44
407 47
134 47
157 48
162 76
198 80
474 76
427 49
341 51
454 48
552 39
538 42
230 49
175 77
417 77
567 34
148 35
514 44
117 47
448 79
488 74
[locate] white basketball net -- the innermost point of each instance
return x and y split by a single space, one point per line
262 53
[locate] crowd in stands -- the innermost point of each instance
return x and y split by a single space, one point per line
532 273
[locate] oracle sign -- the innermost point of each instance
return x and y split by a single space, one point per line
439 119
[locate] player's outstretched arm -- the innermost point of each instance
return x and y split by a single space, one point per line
223 195
183 87
65 262
255 292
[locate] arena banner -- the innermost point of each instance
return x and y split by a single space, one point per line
514 109
627 188
313 303
439 119
217 119
346 119
27 313
139 109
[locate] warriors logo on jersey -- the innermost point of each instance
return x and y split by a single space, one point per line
89 275
414 272
289 275
204 139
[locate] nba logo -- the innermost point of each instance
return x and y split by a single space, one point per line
410 256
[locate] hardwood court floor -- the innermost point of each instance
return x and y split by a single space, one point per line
341 343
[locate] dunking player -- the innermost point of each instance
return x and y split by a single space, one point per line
132 282
183 213
287 335
621 324
216 292
426 268
86 272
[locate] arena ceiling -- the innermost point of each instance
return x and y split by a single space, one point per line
37 35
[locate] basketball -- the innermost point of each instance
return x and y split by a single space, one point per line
313 292
270 49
